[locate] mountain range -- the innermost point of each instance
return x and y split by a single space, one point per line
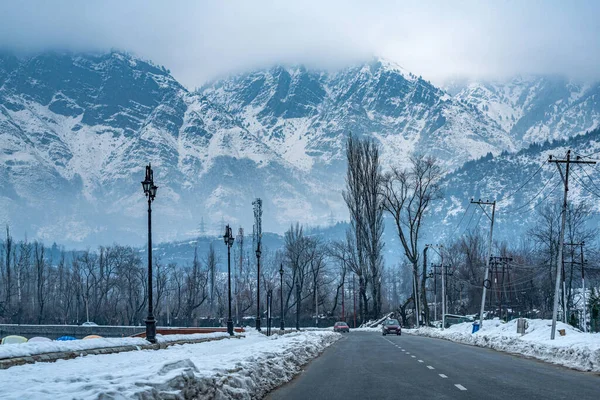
76 131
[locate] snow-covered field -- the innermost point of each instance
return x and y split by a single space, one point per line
243 368
574 350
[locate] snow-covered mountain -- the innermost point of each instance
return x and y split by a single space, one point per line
305 115
522 183
76 131
536 108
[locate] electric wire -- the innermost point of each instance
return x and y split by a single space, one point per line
469 223
524 183
578 179
461 220
518 209
589 155
532 199
589 177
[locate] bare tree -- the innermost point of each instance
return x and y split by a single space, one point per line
407 195
362 196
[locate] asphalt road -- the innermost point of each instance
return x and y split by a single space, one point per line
366 365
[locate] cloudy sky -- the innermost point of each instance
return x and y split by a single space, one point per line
203 39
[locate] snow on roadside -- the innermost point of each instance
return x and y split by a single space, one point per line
241 368
189 336
574 350
364 329
33 348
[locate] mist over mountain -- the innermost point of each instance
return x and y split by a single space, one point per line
77 129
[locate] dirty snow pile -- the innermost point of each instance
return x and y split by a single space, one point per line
574 350
237 368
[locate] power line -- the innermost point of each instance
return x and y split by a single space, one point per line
469 223
516 210
589 155
524 183
461 219
578 179
589 177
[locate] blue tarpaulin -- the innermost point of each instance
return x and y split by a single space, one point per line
65 338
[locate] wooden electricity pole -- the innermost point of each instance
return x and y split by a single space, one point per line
561 243
489 253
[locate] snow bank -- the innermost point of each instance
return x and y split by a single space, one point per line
189 336
363 329
34 348
240 368
574 350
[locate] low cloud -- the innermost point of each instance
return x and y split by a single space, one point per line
201 40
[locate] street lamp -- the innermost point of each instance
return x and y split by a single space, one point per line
281 295
150 192
228 238
258 286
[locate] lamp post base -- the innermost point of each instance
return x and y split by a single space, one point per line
151 329
258 324
230 326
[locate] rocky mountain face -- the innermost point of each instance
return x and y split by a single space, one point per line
535 109
305 115
76 131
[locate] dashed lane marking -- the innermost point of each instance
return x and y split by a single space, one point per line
443 376
414 356
420 360
430 367
461 387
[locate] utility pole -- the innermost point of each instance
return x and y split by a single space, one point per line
582 263
565 178
489 254
416 300
238 274
343 296
445 274
354 295
583 289
258 237
441 254
424 271
495 262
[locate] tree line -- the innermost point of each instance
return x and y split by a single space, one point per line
324 280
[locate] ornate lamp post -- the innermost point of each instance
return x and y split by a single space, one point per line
228 238
258 287
281 295
150 192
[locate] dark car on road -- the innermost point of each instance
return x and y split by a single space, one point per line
391 326
341 327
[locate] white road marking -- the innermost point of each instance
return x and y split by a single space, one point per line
461 387
443 376
414 356
420 360
407 352
430 367
402 349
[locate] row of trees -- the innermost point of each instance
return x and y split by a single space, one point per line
109 286
322 278
522 273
